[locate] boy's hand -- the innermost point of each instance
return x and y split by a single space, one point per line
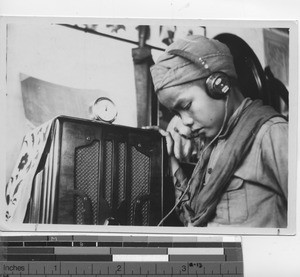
178 144
182 145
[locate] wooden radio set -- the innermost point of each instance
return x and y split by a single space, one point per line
101 174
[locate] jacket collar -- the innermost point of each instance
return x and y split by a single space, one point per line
234 118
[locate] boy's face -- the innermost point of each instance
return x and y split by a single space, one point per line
203 114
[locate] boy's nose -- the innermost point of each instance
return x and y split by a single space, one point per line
187 120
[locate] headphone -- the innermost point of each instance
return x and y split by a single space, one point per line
217 83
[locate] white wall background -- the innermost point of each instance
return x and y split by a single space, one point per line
264 256
65 57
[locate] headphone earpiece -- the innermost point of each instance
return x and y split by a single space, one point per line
217 85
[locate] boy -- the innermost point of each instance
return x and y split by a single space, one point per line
241 176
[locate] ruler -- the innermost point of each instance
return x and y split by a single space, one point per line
143 256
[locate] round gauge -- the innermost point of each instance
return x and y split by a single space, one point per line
104 109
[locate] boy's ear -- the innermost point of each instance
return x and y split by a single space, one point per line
217 85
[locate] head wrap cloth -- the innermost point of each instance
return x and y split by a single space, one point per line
171 70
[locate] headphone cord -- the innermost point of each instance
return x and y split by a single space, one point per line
201 156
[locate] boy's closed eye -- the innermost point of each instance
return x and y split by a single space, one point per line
187 106
181 107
